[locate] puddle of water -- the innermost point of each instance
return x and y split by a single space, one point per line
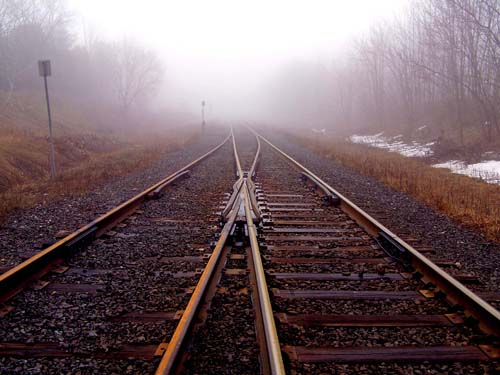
488 170
394 144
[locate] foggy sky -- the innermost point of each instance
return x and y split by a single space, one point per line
226 52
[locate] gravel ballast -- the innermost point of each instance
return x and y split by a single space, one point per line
395 298
145 265
114 291
401 213
25 232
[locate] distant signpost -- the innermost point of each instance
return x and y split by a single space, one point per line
45 71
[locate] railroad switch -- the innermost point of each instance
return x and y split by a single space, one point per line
240 234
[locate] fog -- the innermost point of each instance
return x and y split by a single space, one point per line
231 53
357 66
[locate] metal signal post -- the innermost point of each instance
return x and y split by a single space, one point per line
44 70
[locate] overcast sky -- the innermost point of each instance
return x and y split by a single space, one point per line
223 50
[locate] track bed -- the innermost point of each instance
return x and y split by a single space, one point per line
115 301
248 264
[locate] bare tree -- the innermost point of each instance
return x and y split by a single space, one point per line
29 30
372 53
438 65
137 73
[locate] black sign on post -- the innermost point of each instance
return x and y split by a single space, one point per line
44 68
45 71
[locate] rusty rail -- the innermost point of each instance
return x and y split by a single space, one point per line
273 349
274 359
456 293
251 185
15 279
238 184
172 354
240 201
241 177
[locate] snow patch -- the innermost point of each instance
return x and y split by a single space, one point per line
488 170
394 144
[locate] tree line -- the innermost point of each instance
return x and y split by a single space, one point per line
435 65
119 72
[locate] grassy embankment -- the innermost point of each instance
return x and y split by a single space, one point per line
91 146
471 202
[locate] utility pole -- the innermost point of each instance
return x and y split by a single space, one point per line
203 116
44 70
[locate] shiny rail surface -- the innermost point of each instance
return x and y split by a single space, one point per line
304 228
273 350
456 293
15 279
240 204
243 205
173 352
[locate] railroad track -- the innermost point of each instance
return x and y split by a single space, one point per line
351 296
298 280
105 298
321 270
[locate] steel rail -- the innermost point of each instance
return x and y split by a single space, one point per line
456 293
251 173
329 197
242 193
253 168
156 193
241 176
15 279
171 356
238 184
272 342
273 349
236 156
232 200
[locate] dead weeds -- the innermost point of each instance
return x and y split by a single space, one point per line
471 202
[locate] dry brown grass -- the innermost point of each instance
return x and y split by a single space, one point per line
91 147
471 202
86 175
